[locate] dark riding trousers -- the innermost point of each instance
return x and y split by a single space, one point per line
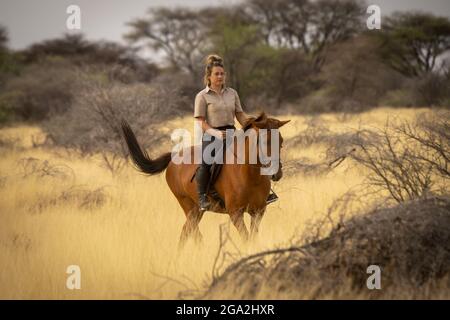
203 173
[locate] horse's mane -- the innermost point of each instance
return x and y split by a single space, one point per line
261 121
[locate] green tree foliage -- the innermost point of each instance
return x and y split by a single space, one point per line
355 76
179 33
239 45
271 47
256 68
9 66
305 25
412 42
78 50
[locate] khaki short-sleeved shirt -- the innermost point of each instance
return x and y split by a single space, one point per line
218 110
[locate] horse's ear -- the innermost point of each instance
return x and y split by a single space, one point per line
262 117
261 120
248 123
282 123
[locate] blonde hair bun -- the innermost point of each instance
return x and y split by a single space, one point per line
214 59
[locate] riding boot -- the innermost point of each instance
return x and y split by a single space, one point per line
272 198
202 178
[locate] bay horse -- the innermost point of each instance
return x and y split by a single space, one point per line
241 186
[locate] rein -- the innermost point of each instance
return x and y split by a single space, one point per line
249 164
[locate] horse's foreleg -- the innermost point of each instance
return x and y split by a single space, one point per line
237 218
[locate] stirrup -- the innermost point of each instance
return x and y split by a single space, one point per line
271 198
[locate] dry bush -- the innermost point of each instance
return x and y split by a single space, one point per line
431 89
127 66
18 241
93 122
407 160
113 162
41 91
432 132
409 242
76 196
316 132
33 167
8 143
354 75
45 172
394 165
306 167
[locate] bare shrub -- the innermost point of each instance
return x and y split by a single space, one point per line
431 89
432 132
306 167
316 132
68 193
93 122
350 86
41 91
75 195
19 241
127 66
113 162
403 159
394 166
9 143
43 168
409 241
408 160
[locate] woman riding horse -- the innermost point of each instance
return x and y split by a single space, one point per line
215 109
241 186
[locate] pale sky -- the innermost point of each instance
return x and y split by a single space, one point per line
31 21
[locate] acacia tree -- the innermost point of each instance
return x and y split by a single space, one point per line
333 21
305 25
179 33
82 52
346 76
237 41
412 42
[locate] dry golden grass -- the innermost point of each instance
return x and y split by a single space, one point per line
123 230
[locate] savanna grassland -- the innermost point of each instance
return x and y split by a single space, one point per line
58 209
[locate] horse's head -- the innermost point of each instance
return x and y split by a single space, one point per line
272 126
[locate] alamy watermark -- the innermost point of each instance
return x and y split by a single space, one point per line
374 281
73 21
374 20
263 148
74 279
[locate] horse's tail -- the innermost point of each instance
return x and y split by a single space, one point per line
140 157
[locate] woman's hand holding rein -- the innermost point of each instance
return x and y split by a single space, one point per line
214 132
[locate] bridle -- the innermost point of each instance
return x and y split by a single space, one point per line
258 165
